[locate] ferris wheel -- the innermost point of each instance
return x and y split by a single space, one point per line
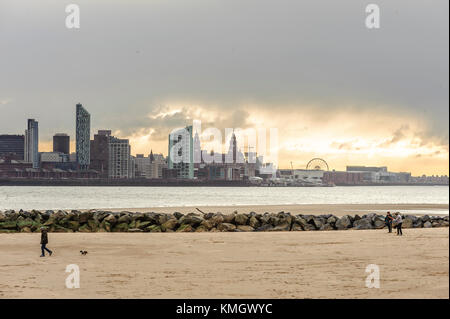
317 164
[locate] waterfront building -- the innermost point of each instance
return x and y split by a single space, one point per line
151 166
181 153
31 143
121 164
61 143
53 157
83 128
99 152
12 146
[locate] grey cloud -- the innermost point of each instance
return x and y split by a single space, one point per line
286 56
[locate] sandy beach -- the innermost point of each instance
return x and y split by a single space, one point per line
319 264
313 209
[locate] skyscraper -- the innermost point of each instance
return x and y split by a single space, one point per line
83 128
61 143
31 152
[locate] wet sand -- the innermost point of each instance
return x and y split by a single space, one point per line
319 264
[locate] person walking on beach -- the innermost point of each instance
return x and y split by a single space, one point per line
388 221
398 223
44 242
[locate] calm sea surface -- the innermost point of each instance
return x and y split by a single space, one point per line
47 197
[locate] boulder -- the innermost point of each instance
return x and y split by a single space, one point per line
317 222
254 222
84 217
265 227
93 225
110 219
28 222
154 229
201 229
240 219
170 224
11 215
84 228
217 219
138 216
224 227
436 224
121 227
124 219
245 228
326 227
229 219
207 224
148 217
332 220
343 223
177 215
73 225
141 224
427 224
282 227
185 228
191 219
363 223
2 217
162 218
378 222
296 227
25 230
407 223
106 226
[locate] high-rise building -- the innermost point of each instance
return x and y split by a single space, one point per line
61 143
99 153
31 151
181 153
83 128
120 162
13 146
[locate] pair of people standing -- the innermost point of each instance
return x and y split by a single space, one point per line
398 220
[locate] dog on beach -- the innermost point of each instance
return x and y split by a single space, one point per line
83 252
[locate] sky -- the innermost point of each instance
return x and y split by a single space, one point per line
332 88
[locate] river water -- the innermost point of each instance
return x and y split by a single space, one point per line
48 197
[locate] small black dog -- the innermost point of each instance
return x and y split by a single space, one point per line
83 252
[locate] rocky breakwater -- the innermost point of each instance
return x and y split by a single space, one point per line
104 221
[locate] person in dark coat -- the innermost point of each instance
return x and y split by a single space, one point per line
44 242
388 221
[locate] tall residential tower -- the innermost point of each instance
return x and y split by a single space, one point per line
31 152
83 129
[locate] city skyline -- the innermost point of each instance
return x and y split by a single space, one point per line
327 83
